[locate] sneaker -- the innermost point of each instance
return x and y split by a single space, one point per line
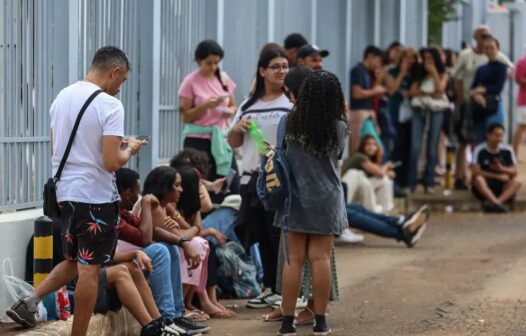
158 328
321 329
495 208
264 300
284 331
301 303
430 190
191 328
24 313
460 185
411 239
349 237
416 219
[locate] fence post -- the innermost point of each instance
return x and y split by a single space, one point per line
43 249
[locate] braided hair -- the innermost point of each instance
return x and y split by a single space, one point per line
313 122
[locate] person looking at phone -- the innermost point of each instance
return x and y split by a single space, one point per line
207 103
494 169
368 160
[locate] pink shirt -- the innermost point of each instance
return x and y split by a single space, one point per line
198 89
520 72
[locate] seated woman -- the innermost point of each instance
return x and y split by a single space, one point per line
189 208
367 159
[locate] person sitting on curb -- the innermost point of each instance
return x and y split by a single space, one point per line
121 284
493 170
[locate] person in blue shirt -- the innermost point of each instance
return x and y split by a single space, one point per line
362 93
489 80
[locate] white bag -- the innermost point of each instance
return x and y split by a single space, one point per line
405 112
11 288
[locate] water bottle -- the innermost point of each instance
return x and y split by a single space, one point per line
258 137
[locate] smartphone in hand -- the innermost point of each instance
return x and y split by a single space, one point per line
146 138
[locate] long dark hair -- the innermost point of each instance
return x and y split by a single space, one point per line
190 202
207 48
159 182
441 68
313 123
264 60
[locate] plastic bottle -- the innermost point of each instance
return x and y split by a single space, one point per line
258 137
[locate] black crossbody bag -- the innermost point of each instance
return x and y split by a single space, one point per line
51 208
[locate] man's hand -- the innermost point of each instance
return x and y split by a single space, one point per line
151 200
133 145
143 261
192 257
496 166
480 100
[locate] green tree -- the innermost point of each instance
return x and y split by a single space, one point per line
439 11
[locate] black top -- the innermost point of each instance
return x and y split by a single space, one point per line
483 156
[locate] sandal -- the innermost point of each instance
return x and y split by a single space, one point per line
221 315
269 318
307 321
197 316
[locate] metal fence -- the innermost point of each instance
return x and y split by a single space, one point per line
47 45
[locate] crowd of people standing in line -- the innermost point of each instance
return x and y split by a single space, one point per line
167 230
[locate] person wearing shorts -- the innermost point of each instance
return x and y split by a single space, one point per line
87 192
520 79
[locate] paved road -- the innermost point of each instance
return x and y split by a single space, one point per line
466 277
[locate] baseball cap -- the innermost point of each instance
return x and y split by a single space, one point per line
294 40
310 49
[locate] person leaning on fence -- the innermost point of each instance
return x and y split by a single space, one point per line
494 169
86 191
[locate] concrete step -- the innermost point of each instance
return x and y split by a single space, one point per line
455 201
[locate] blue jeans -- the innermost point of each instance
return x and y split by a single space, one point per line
378 224
483 125
418 123
165 280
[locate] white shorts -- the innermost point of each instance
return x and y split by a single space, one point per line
521 115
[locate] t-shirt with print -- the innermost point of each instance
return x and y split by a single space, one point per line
84 178
468 63
266 115
360 76
483 156
520 72
198 89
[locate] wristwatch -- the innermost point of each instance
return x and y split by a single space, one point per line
182 240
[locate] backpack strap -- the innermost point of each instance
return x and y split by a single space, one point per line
282 129
73 133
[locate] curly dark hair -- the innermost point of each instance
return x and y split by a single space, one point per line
313 122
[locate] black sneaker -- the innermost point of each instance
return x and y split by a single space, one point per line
415 225
158 328
24 313
460 185
284 331
495 208
191 328
321 330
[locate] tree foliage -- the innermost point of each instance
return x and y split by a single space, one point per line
439 11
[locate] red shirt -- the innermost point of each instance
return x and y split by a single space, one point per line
129 228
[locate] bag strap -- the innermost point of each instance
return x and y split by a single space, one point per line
73 133
282 129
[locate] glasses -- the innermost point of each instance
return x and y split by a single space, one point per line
277 67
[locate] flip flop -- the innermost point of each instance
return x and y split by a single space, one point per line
268 318
221 315
197 316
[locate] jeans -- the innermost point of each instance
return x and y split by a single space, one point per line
165 280
482 126
378 224
418 123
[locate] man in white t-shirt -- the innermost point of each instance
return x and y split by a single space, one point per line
86 192
469 60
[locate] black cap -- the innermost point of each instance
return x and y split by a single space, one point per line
294 40
310 50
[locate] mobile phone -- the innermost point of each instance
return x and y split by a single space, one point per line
397 164
221 98
146 138
229 179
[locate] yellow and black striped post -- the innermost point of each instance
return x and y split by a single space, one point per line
43 249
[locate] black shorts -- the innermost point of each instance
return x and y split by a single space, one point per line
495 186
107 298
89 231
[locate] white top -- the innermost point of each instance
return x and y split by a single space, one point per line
84 178
266 115
468 63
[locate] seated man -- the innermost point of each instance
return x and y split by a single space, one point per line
123 283
493 170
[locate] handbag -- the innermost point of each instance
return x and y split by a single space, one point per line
405 113
427 102
492 106
51 208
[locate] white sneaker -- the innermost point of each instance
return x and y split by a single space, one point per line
301 303
264 300
349 237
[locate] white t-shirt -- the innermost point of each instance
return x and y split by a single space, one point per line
266 115
468 63
84 178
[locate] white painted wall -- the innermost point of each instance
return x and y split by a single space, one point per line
15 231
